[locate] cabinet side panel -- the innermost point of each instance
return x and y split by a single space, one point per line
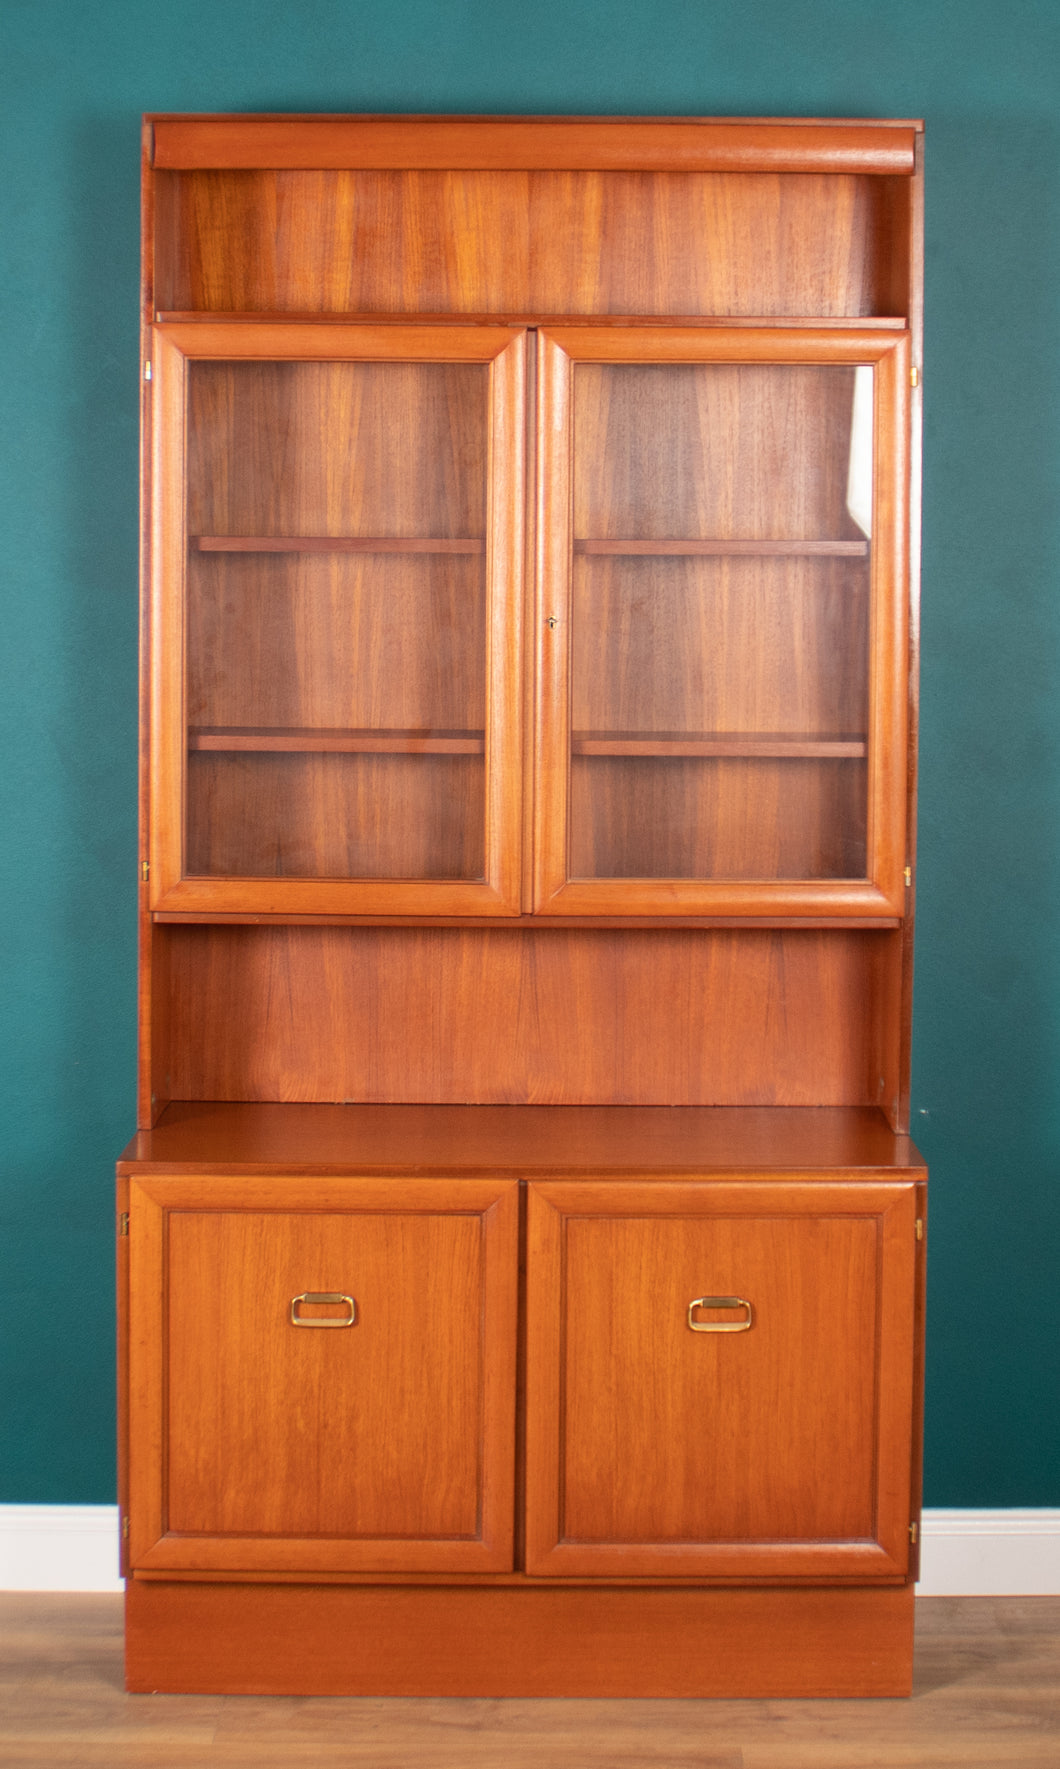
574 242
890 254
563 1017
154 1039
915 204
889 1055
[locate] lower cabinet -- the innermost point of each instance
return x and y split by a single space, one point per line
503 1436
719 1376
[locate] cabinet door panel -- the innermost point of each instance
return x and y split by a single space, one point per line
722 616
337 557
768 1434
370 1431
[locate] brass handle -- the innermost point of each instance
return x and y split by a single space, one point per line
323 1296
743 1326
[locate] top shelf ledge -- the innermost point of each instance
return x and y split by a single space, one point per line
522 144
724 321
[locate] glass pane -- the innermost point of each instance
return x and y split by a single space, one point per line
722 523
336 649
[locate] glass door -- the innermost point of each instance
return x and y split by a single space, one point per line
337 618
721 623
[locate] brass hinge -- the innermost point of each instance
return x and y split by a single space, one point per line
914 376
123 1223
145 870
914 1533
908 878
920 1228
147 371
125 1529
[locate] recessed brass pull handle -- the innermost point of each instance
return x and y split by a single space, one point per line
298 1320
743 1326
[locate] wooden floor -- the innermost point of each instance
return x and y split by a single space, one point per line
987 1693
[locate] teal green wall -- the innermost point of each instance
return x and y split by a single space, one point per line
986 75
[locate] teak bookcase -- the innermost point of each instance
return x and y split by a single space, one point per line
521 1252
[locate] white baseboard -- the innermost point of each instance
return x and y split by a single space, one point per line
963 1554
990 1554
59 1548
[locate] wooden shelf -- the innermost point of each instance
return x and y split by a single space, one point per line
504 317
723 549
524 1139
263 738
330 543
729 743
583 743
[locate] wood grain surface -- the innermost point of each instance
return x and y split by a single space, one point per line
336 1640
781 1450
685 144
521 1139
259 1444
550 1017
575 242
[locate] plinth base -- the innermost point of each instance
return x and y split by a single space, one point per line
259 1639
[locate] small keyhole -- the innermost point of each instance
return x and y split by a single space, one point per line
551 622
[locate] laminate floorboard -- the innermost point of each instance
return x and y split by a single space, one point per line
987 1696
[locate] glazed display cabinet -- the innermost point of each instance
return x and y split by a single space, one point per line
521 1251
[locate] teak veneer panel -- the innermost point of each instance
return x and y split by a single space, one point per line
569 143
262 439
335 815
777 1450
294 1639
555 1016
522 1139
305 626
387 1444
593 243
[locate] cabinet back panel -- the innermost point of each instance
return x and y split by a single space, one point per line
338 640
336 816
506 1017
577 242
741 450
337 448
730 819
716 645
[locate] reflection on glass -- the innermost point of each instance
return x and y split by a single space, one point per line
859 476
721 573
